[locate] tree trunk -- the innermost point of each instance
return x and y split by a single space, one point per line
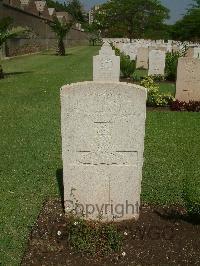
1 72
61 48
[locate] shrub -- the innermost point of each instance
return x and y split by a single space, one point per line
158 77
171 63
117 52
191 106
191 196
154 97
127 66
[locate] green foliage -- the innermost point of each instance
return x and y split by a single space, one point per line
197 3
171 64
93 237
93 34
57 5
133 18
75 9
117 51
191 196
60 29
188 28
154 97
127 66
8 32
163 32
158 77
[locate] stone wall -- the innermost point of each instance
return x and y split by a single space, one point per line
43 38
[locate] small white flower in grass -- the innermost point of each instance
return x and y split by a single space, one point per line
59 233
123 254
75 223
125 233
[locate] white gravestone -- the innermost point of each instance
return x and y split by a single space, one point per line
106 65
188 79
156 63
103 129
142 58
197 52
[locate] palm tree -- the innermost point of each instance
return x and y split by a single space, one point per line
60 28
8 32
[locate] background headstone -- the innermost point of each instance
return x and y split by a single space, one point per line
106 65
190 52
103 128
142 58
188 79
156 63
197 52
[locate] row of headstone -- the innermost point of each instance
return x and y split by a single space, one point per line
103 129
193 52
106 66
132 48
152 58
188 71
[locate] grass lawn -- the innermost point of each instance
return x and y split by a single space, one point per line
31 143
168 87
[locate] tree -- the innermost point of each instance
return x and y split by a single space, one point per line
60 28
93 33
75 9
8 32
188 28
197 4
135 17
55 4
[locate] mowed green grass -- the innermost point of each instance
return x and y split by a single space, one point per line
31 143
30 139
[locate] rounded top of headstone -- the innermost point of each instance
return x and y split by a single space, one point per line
106 49
102 85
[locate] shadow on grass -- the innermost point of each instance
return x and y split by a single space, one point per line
7 74
54 54
177 215
59 177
